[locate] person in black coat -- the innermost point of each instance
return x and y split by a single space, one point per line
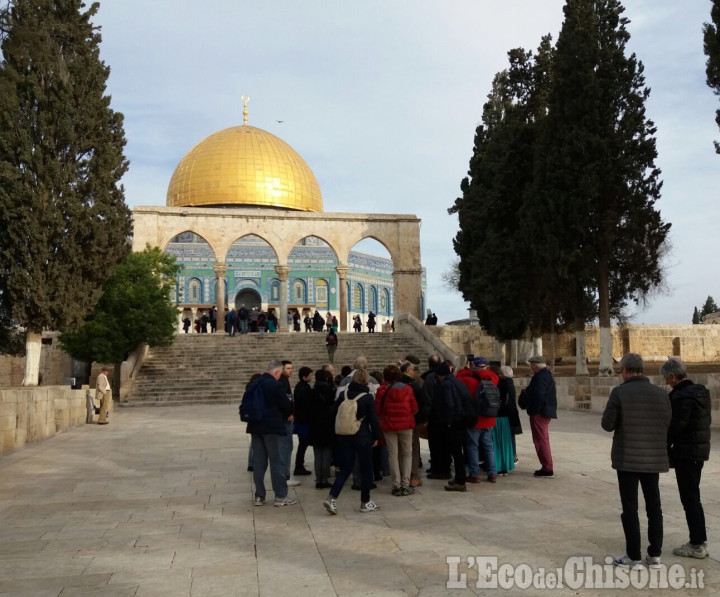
321 426
688 449
302 396
540 400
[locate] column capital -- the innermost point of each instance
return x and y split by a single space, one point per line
342 271
220 268
282 271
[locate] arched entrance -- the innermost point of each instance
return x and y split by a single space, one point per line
248 297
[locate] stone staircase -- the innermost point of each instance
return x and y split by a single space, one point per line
214 368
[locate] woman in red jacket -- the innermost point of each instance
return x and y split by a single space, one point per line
396 407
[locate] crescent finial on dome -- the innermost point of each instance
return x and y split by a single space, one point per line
245 99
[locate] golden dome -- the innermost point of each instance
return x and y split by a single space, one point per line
244 165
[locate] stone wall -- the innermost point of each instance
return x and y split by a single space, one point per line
55 365
32 414
592 393
692 343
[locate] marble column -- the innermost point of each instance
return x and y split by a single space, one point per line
342 271
220 269
282 271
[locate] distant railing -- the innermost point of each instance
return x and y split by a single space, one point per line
409 324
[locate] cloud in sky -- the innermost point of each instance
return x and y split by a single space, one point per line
382 100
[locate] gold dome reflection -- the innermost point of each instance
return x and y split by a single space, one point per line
244 165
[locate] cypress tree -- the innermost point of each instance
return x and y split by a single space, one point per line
711 43
696 317
62 211
599 180
496 273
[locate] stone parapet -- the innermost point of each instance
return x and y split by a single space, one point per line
31 414
592 393
692 343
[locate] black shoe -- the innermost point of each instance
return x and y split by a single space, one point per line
378 477
301 472
322 486
250 469
542 473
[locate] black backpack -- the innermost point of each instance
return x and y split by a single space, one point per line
487 399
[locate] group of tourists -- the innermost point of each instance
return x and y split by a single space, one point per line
245 320
367 425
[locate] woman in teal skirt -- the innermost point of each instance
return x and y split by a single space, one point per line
502 433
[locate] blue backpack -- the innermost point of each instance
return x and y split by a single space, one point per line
253 407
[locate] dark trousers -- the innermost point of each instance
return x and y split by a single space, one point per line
300 454
439 445
457 433
688 473
347 450
628 484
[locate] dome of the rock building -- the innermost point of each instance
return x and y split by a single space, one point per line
244 165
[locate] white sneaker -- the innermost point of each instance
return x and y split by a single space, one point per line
652 561
369 507
293 482
330 505
259 501
626 562
286 501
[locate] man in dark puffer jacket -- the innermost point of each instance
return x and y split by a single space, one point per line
689 448
639 414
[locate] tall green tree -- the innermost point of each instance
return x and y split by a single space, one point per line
708 307
696 317
598 173
496 274
134 309
62 211
711 39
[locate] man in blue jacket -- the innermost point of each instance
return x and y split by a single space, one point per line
267 436
540 400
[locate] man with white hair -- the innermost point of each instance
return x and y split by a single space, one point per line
360 363
540 401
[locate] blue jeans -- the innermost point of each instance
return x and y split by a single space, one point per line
347 450
286 448
483 438
266 448
243 323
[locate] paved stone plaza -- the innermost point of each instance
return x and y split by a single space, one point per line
159 503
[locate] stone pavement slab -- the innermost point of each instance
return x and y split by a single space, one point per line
159 503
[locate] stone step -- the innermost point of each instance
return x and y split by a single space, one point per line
214 368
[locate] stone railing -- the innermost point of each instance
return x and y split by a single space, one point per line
409 324
32 414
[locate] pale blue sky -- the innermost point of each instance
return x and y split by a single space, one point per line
382 99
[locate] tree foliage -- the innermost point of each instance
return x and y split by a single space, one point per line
63 217
496 274
696 317
134 309
557 218
12 337
711 43
708 307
